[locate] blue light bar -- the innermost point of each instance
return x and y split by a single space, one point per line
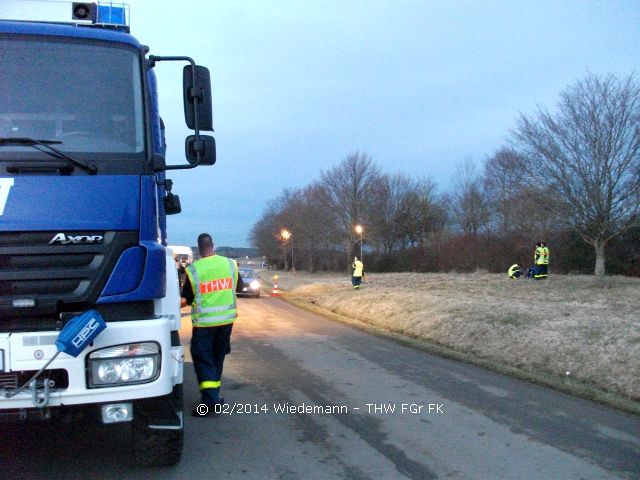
112 15
106 13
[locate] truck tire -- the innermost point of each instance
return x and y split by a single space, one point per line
153 447
156 448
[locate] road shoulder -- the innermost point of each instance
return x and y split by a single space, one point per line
569 385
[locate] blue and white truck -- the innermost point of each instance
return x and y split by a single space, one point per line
83 204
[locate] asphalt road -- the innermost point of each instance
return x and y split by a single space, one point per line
458 421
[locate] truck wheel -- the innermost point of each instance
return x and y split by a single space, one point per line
156 448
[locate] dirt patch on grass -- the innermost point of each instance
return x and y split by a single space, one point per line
563 324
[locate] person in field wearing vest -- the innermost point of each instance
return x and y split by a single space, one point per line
515 271
545 258
358 273
541 258
210 289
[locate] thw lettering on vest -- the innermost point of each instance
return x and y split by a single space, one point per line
216 285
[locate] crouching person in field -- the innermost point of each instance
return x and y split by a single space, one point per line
515 271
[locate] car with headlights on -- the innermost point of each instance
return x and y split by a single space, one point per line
251 283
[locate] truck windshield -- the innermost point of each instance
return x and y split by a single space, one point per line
88 96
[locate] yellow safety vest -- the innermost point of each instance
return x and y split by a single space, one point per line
358 267
513 269
538 256
213 280
545 256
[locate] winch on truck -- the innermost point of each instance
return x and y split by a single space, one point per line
83 205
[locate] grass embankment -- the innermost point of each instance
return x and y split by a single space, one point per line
567 332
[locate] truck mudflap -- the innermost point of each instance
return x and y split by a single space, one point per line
164 413
67 380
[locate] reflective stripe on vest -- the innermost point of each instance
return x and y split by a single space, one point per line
213 281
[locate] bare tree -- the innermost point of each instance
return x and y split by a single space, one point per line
432 210
387 200
468 199
312 226
406 211
504 172
589 153
515 205
264 234
348 193
420 214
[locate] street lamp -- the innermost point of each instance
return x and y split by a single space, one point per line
359 231
287 235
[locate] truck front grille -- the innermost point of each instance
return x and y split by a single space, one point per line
58 278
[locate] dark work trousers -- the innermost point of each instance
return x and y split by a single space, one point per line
209 345
541 271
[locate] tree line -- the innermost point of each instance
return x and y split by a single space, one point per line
570 177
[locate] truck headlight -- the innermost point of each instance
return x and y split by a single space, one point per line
255 285
124 365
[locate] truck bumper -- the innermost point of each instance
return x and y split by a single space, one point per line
30 351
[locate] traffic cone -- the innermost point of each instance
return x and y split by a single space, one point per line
275 292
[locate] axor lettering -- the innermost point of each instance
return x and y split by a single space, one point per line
64 239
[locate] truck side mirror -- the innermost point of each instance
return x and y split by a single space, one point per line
199 149
171 204
203 144
196 85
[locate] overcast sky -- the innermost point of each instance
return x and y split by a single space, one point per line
419 85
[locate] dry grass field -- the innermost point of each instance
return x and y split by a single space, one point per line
563 326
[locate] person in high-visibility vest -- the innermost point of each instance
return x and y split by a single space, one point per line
539 259
210 289
545 258
515 271
358 273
